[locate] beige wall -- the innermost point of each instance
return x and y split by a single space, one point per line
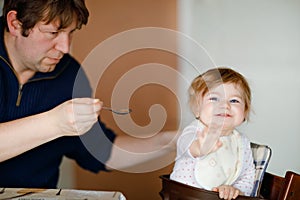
109 18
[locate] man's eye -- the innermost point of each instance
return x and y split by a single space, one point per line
53 33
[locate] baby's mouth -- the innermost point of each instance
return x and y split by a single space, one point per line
223 115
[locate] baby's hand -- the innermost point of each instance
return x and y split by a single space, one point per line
209 140
205 143
227 192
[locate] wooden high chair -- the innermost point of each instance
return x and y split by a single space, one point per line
267 186
273 187
281 188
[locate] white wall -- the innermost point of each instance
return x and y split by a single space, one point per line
260 39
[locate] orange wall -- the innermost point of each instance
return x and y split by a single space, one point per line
109 17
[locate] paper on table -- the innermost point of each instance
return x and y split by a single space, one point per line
57 194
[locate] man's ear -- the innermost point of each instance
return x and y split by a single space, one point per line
14 25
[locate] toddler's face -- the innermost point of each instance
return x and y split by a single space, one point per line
223 106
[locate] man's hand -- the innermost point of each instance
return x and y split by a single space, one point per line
76 116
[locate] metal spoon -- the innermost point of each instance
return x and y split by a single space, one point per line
124 111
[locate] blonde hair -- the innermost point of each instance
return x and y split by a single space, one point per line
213 78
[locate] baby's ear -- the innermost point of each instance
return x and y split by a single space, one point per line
196 112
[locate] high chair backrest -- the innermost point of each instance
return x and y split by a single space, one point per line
261 158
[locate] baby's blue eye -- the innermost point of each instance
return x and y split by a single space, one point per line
213 99
234 101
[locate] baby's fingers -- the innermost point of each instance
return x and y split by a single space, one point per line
236 194
227 192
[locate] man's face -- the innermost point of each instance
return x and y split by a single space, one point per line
44 46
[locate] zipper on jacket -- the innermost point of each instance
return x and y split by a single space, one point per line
19 95
21 85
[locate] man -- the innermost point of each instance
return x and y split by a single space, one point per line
41 117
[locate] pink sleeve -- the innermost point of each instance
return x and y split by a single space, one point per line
245 182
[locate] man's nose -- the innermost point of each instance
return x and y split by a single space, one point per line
63 43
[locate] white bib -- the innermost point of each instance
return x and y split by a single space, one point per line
221 167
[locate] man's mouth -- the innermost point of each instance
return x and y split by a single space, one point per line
56 59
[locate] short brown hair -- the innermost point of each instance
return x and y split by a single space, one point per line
215 77
30 12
